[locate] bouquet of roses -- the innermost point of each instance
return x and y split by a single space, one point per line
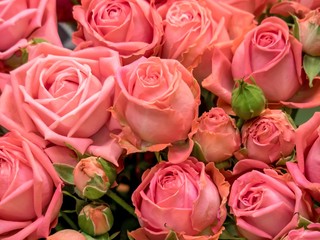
159 120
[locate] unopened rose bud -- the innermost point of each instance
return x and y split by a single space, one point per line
93 177
248 100
309 32
66 234
95 219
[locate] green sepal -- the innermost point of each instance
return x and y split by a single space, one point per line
172 236
311 66
197 152
303 222
109 169
17 59
295 28
86 225
37 40
79 202
65 172
93 192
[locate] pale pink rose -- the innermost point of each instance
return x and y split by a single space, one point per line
306 171
193 29
186 198
23 20
131 27
217 135
267 205
64 95
312 232
268 137
309 33
30 193
156 102
66 234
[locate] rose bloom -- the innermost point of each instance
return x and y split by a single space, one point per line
310 233
268 137
156 102
30 193
63 95
309 32
187 198
267 205
23 20
266 51
131 27
306 171
217 135
193 30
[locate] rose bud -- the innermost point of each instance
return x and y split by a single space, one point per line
309 32
247 100
95 219
93 176
217 135
66 234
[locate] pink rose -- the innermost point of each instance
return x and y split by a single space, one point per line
306 171
267 205
278 54
186 198
131 27
66 234
23 20
309 32
193 29
217 135
311 232
30 193
156 102
268 137
64 95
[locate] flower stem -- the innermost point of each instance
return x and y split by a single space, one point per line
68 220
121 202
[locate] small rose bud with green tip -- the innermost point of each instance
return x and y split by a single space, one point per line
93 176
95 219
248 100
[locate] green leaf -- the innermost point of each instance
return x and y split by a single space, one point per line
65 172
311 65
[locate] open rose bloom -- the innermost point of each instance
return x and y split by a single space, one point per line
64 96
30 193
267 205
187 198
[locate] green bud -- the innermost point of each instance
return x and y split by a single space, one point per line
248 100
95 219
93 177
